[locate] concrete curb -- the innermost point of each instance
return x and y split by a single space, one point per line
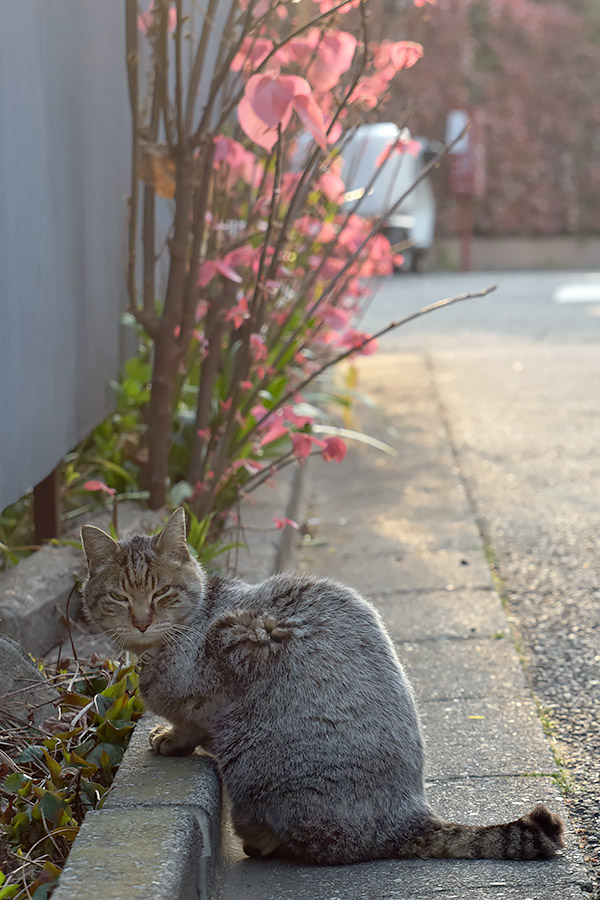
157 833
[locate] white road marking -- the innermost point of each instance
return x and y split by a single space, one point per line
577 293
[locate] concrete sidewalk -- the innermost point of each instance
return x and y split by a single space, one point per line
400 529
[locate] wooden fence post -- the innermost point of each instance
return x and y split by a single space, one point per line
46 508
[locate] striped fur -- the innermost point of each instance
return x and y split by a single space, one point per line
294 687
537 835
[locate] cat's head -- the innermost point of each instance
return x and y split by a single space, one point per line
142 590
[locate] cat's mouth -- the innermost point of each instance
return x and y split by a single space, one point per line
142 640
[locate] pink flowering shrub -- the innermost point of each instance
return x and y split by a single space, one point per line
267 267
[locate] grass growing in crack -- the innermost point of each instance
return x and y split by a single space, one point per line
560 778
497 580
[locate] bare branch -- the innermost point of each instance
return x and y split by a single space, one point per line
198 65
439 304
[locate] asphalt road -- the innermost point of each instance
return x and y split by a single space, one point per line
518 378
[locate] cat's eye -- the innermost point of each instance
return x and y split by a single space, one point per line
119 598
161 593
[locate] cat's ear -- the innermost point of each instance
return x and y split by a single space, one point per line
171 540
98 546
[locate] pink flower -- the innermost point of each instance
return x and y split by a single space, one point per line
370 90
258 347
244 256
253 51
241 164
332 186
290 415
327 5
356 339
250 465
276 430
404 54
99 486
268 103
401 145
303 444
211 267
391 56
327 233
281 523
334 56
335 449
239 313
334 317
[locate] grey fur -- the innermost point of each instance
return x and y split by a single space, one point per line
294 686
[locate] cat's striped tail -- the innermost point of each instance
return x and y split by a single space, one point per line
537 835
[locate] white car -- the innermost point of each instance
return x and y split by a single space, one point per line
376 187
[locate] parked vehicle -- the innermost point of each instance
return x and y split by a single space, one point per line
411 226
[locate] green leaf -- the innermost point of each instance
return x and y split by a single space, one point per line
30 754
113 754
103 704
111 466
114 691
350 435
139 369
43 892
8 552
83 748
180 492
16 782
52 806
54 766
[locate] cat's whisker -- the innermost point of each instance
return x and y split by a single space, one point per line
186 630
174 642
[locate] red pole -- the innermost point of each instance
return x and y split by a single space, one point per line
466 231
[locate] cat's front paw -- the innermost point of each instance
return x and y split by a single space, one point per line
247 641
166 740
242 625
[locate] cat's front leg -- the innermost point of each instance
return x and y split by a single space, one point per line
178 740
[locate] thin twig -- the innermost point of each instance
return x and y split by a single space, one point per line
448 301
68 623
179 77
198 64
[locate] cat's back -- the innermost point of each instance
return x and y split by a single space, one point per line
313 647
329 680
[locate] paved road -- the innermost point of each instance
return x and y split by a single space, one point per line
518 377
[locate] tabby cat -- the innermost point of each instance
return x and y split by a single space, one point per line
294 687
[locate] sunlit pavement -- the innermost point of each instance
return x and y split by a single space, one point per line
518 380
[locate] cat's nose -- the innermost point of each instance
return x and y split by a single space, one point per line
143 625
